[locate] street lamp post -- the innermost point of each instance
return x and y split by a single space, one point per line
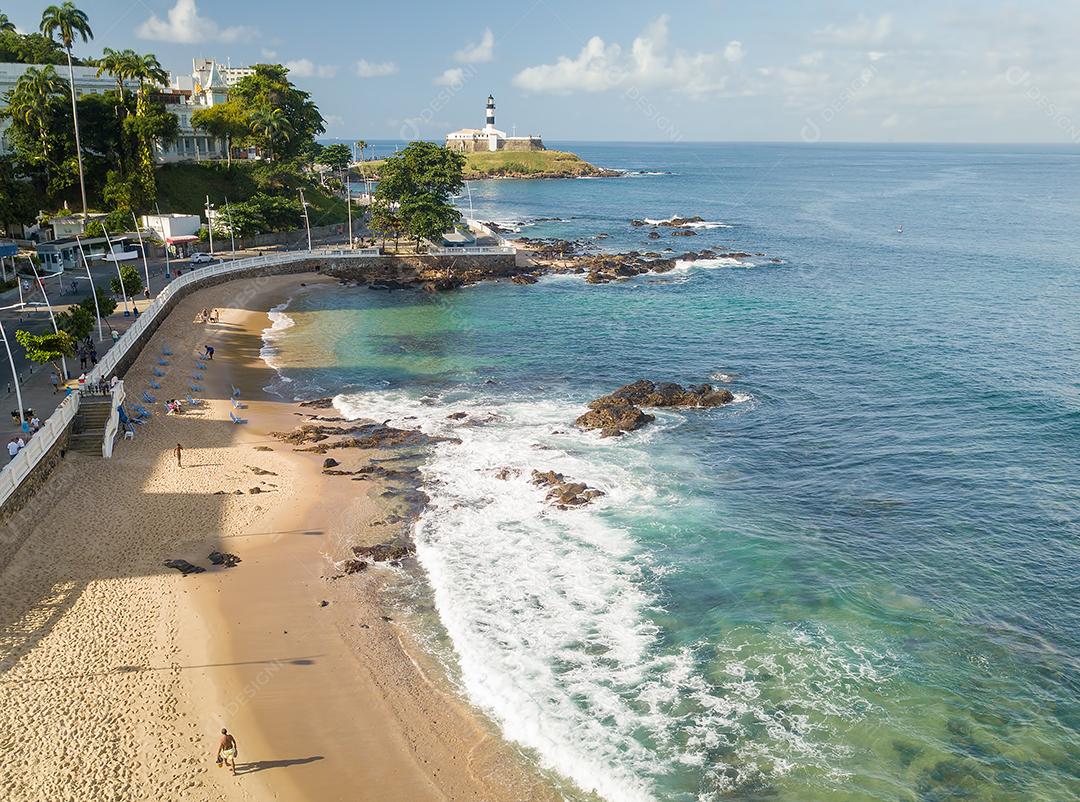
146 266
14 374
93 290
210 225
307 220
52 317
348 202
168 266
232 231
119 275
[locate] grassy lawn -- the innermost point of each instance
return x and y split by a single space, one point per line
513 163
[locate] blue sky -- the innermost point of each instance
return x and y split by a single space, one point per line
946 71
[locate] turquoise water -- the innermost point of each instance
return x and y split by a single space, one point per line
858 582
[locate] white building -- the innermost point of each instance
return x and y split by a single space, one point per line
490 138
173 228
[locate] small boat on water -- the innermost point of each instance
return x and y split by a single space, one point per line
900 229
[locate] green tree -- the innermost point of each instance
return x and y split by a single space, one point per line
17 198
105 303
31 106
69 22
269 87
6 25
337 157
418 183
386 220
271 127
31 48
47 349
133 283
77 321
226 121
121 65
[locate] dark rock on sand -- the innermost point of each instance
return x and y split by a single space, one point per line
255 491
224 559
354 566
261 471
263 448
391 551
184 567
319 403
330 462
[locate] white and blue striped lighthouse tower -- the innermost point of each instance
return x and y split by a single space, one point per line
490 126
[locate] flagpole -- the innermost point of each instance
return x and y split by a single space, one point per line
52 317
119 275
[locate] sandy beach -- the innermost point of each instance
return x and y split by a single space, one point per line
118 673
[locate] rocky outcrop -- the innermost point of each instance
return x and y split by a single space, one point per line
393 551
621 411
564 493
319 438
224 559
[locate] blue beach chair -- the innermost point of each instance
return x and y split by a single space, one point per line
235 419
193 401
154 385
197 376
148 398
235 391
158 372
196 388
236 404
200 365
163 362
142 411
166 351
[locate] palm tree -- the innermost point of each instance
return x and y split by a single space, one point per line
6 25
30 101
272 125
360 143
150 73
69 21
121 64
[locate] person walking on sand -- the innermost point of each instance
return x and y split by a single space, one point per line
227 751
179 451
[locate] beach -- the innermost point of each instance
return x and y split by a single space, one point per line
118 673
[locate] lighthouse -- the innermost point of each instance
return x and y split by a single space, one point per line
490 126
490 138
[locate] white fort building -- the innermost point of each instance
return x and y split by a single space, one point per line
490 138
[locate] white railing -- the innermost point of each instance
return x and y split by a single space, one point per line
475 250
38 446
113 424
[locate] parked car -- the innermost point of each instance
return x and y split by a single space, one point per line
201 258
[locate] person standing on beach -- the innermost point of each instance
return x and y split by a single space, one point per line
227 751
179 452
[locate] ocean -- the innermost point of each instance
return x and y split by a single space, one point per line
860 581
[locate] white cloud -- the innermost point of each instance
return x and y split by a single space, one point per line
268 53
863 32
734 51
891 121
371 69
306 68
184 24
600 67
477 53
455 76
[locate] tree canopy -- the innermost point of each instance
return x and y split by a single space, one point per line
415 187
268 90
337 157
47 349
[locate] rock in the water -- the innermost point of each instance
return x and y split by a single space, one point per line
679 222
506 473
684 232
319 403
563 493
224 559
390 551
184 567
457 416
354 566
654 235
614 418
524 278
644 393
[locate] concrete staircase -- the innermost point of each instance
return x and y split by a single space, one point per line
88 432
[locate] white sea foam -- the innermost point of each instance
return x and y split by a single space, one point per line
279 322
652 221
682 265
550 612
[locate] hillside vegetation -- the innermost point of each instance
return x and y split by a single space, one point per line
519 164
182 188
